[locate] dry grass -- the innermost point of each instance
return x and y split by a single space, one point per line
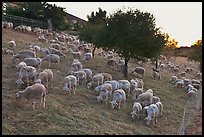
79 113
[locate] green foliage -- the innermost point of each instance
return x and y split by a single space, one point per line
97 18
132 34
196 54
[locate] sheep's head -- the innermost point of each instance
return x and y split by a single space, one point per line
148 120
38 81
133 114
98 99
89 85
19 82
66 89
113 104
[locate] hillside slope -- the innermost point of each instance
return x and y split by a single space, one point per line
79 113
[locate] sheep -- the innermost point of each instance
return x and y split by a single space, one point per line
183 74
87 56
88 74
136 92
179 84
155 99
192 94
145 98
12 43
189 87
114 83
160 106
198 75
20 65
51 58
107 76
8 51
120 65
76 66
97 79
45 77
173 79
139 70
55 46
195 85
55 51
156 75
119 98
24 54
186 82
81 76
70 83
35 62
136 83
104 87
152 114
136 109
111 62
27 72
125 85
76 55
193 81
33 92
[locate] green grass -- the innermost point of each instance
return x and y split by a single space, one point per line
80 113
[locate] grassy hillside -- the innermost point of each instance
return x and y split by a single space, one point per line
79 113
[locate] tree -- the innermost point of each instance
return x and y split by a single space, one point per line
196 54
91 31
132 34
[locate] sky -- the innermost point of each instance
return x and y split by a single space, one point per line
181 20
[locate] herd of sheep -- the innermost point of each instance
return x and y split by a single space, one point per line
110 91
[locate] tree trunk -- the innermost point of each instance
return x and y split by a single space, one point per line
156 63
93 50
125 69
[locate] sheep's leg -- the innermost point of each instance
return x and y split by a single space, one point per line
27 79
49 63
47 83
34 103
44 102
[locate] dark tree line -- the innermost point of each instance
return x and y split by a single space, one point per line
39 11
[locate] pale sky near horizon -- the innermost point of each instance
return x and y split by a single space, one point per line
182 20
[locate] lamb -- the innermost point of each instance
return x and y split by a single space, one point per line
51 58
139 70
114 83
45 77
119 98
125 85
70 83
35 62
33 92
107 76
96 80
24 54
12 43
156 75
152 114
87 56
27 72
136 109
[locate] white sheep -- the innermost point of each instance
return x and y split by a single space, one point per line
35 62
76 55
104 87
88 56
45 77
12 43
33 92
70 83
173 79
97 79
27 72
89 74
156 75
136 109
105 92
152 114
125 85
160 106
145 98
192 94
81 76
20 65
76 66
51 58
179 84
136 92
119 98
114 83
107 76
24 54
155 99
